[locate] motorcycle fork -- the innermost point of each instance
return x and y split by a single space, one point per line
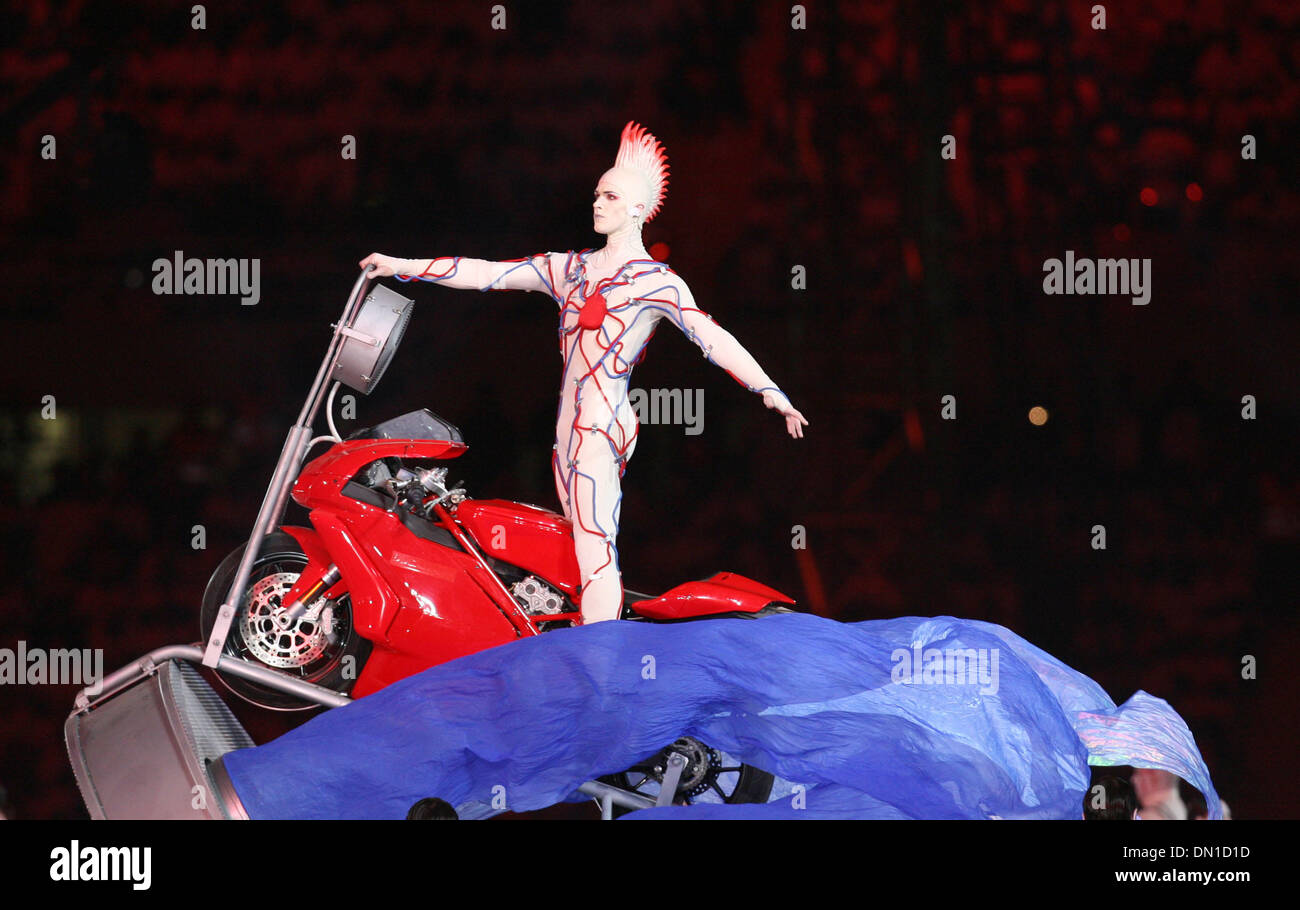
324 583
319 576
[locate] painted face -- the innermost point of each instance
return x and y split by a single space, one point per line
615 200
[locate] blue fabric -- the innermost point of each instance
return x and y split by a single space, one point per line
835 710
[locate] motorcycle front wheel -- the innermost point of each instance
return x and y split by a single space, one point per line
321 647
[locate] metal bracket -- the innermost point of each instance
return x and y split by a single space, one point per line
608 797
359 336
676 765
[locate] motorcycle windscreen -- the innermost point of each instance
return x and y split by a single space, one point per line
859 717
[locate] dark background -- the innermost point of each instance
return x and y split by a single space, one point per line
816 147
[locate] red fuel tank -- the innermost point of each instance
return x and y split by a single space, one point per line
535 539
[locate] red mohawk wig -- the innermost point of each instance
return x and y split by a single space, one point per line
640 151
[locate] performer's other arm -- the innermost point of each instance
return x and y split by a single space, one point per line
721 348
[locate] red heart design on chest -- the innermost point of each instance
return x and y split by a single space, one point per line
593 311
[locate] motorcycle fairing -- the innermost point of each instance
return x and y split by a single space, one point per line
318 562
534 539
440 614
341 463
541 542
374 604
725 592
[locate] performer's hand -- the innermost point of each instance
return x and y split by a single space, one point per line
794 421
385 266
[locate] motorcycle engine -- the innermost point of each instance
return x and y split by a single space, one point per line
537 597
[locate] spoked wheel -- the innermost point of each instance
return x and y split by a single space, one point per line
710 776
320 647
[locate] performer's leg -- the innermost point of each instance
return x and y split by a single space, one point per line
596 498
562 475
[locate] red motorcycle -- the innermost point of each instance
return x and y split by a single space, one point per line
399 572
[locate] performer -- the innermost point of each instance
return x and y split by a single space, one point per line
610 303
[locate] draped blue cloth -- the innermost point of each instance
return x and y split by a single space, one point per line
903 718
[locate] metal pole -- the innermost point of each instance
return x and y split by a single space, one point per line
148 664
624 798
286 471
308 414
676 765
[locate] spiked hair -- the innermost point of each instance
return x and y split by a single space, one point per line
640 151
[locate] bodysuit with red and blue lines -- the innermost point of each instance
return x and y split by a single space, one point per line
605 324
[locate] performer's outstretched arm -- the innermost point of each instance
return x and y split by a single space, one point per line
721 348
532 273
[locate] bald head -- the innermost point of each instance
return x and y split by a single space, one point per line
632 185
